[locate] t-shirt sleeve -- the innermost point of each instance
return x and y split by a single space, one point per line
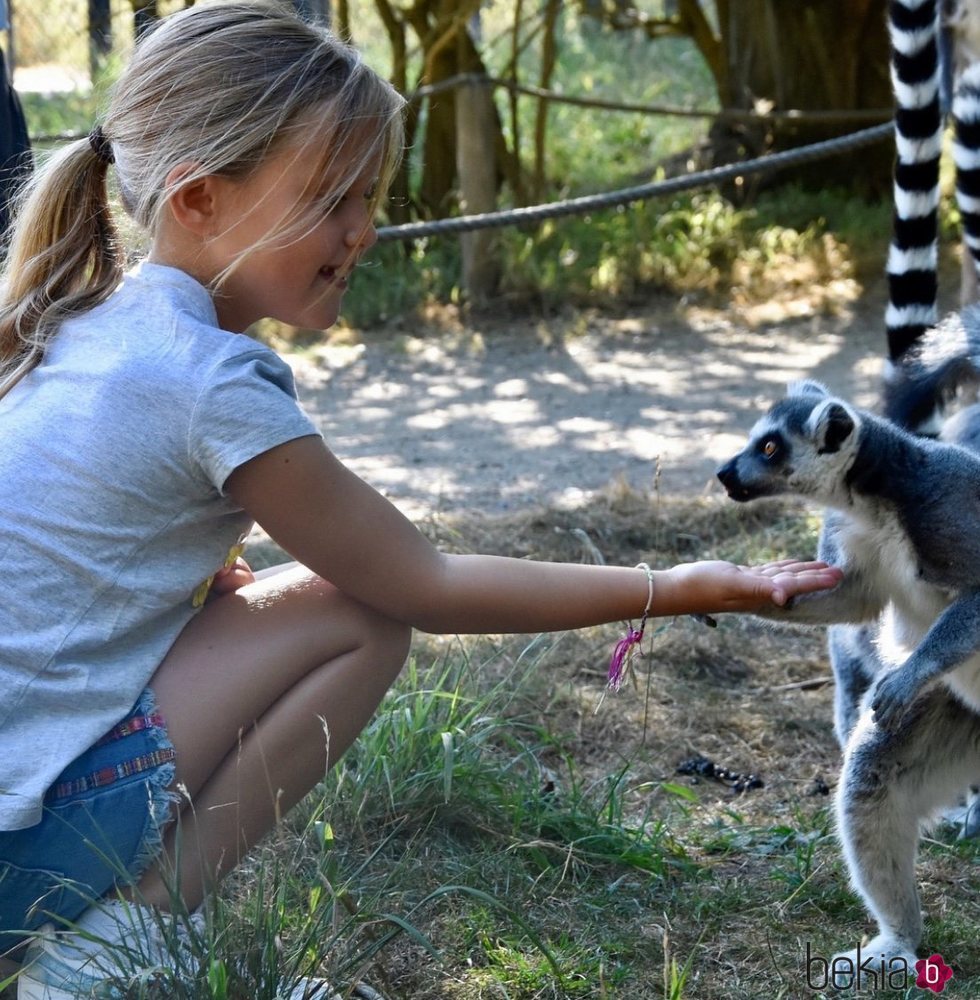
248 406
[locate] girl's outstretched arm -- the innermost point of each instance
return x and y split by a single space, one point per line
346 532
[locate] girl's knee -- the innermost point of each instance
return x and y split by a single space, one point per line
390 638
372 629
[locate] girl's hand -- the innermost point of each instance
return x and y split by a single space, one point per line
721 586
231 578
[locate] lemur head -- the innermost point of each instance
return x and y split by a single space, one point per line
804 445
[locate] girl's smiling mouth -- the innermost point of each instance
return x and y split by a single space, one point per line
334 276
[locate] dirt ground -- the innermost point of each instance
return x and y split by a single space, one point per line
494 414
512 435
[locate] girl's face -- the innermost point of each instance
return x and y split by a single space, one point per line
298 276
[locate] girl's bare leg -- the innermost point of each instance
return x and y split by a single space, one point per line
262 692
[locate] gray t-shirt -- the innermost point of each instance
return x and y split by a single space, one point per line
113 457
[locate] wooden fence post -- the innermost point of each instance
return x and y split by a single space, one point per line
477 171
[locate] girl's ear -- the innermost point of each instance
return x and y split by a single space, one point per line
193 204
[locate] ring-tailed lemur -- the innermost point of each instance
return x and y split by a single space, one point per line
905 511
904 525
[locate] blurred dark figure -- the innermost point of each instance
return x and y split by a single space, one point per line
16 161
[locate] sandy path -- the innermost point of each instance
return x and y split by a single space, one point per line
500 418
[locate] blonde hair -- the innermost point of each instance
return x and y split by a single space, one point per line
217 86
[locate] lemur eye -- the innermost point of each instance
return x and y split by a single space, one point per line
770 448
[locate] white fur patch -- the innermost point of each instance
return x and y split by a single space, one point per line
913 259
917 150
807 387
910 315
966 22
965 157
966 100
911 42
762 428
966 203
918 95
964 682
914 204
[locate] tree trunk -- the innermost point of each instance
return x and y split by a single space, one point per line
99 35
437 186
448 50
549 60
816 55
145 15
476 123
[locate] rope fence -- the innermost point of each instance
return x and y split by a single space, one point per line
625 196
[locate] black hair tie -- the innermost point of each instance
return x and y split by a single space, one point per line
101 145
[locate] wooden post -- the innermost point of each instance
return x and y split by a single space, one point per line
477 170
145 15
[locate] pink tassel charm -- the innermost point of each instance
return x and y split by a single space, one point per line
622 657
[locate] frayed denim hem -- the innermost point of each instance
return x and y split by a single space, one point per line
164 800
101 828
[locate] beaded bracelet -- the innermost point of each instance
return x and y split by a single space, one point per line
622 655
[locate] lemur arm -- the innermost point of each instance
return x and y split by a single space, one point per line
953 638
856 599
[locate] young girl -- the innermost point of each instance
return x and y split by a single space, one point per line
143 434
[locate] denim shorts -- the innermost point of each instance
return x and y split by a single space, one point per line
101 827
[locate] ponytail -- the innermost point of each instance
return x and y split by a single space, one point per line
63 256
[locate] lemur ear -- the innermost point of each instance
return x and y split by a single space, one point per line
831 424
807 387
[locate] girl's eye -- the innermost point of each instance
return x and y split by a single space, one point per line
368 197
770 448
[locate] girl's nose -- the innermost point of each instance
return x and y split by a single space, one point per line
362 238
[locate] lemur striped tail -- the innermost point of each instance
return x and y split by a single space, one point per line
912 257
966 156
930 363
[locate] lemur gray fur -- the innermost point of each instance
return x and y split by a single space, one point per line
935 71
904 519
904 524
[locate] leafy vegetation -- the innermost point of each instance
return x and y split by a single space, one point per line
699 243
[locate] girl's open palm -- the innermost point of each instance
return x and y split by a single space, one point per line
723 586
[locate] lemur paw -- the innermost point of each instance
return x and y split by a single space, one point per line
883 961
893 696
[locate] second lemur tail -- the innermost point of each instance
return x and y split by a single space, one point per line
914 31
944 361
928 364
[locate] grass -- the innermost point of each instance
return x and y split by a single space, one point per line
497 831
697 245
532 842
